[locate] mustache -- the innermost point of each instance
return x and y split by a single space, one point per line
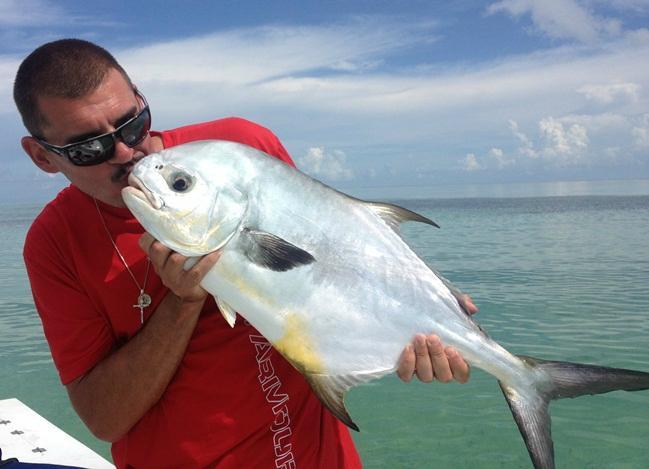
124 169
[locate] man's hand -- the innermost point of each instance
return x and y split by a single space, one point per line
428 359
169 266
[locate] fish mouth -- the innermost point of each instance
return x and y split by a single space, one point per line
138 189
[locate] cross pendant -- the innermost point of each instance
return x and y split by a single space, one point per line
143 300
141 306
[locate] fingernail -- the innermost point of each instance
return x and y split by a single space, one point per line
432 340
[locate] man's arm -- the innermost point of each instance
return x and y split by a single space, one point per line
115 394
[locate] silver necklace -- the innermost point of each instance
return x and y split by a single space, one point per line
143 299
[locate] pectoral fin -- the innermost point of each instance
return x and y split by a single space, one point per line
229 314
331 391
272 252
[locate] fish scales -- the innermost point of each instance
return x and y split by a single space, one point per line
341 280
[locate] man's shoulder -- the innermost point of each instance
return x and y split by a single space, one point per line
228 128
51 220
234 129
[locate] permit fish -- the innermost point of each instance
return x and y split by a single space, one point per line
330 282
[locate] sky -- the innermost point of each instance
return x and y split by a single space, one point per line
372 93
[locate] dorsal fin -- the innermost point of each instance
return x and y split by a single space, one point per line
394 215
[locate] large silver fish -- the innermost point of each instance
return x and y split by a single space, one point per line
328 280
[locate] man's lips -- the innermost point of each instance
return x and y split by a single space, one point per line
122 172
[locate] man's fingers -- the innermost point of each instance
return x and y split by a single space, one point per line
459 367
145 242
423 365
173 264
440 365
208 261
467 304
406 368
203 266
157 252
428 359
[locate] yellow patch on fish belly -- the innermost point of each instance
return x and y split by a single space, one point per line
298 347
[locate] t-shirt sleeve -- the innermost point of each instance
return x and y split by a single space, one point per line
234 129
77 333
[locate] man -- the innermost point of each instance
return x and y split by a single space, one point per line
148 363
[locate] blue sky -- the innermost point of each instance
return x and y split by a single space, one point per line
373 93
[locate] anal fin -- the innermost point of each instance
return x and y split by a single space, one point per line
331 391
229 314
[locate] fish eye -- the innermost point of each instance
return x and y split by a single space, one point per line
181 181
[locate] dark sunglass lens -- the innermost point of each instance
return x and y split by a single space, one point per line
93 152
135 131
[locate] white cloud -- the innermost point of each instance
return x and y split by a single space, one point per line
504 83
17 13
8 68
358 66
560 142
563 144
494 159
603 122
248 56
582 141
502 160
264 71
526 147
470 163
560 19
610 93
636 6
329 165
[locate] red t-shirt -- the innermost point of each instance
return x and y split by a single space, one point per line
234 402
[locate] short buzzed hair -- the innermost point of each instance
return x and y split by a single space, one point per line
67 68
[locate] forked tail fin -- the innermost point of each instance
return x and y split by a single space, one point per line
530 406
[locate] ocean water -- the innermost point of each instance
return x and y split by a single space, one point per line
558 274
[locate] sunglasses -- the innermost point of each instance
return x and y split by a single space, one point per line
96 150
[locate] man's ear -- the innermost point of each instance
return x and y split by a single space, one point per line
39 155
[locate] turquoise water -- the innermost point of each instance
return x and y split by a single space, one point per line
562 277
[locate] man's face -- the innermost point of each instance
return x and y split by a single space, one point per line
101 111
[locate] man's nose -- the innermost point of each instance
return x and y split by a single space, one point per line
123 154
